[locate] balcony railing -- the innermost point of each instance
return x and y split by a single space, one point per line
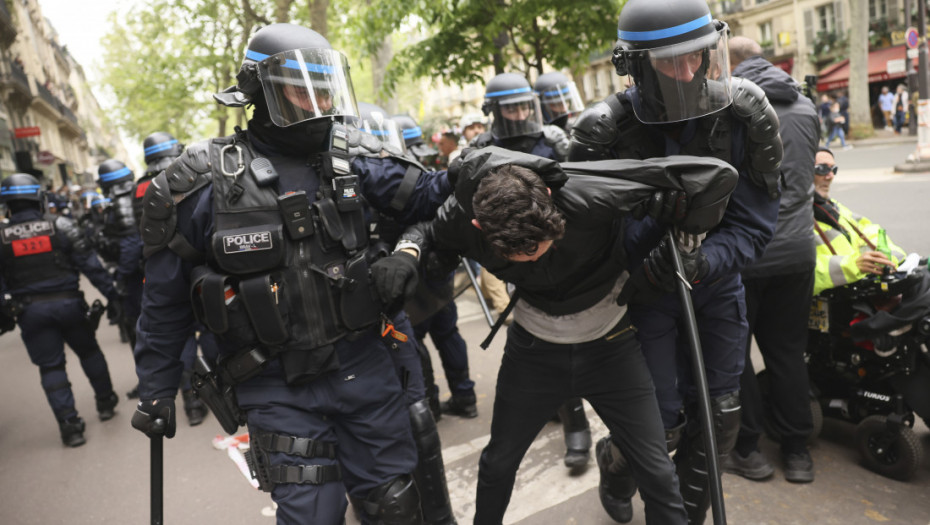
19 77
67 113
47 95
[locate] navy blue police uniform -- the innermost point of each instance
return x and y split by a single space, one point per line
40 258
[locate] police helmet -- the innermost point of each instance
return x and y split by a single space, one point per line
677 55
375 121
299 75
411 131
112 172
160 148
513 105
558 98
21 186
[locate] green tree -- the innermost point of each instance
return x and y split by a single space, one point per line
461 38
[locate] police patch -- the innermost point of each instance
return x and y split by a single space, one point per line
247 242
26 230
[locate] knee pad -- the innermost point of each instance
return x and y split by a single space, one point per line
395 502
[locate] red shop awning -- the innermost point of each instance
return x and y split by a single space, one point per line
836 76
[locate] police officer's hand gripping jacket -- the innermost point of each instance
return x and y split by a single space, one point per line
395 279
156 417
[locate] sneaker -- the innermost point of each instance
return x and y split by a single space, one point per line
194 408
848 146
72 432
462 406
799 468
754 466
105 405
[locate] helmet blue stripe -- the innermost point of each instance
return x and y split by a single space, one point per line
107 177
659 34
155 148
292 64
556 92
413 133
16 190
508 92
378 132
97 202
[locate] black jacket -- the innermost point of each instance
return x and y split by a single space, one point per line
594 198
792 249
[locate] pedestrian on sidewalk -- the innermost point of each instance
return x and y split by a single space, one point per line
836 122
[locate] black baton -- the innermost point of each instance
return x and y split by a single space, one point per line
700 381
157 464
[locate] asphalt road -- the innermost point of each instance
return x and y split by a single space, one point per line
106 481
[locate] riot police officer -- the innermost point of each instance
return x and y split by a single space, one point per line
559 99
124 245
683 102
434 312
160 149
40 258
262 236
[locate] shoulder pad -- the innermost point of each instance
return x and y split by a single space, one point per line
159 215
191 171
557 139
363 144
764 147
596 129
69 228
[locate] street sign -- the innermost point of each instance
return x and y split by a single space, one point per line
912 37
26 132
45 157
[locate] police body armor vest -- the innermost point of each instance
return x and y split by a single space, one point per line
272 283
33 251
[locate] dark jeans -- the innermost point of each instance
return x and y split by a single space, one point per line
536 377
777 310
443 329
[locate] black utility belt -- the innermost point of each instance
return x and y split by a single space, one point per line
52 296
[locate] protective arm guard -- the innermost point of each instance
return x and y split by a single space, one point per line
595 131
765 150
189 173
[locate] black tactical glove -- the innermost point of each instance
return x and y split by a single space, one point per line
394 279
665 206
657 275
155 417
439 264
455 167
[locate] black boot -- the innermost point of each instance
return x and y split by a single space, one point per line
462 406
72 432
616 487
194 408
134 393
577 433
105 405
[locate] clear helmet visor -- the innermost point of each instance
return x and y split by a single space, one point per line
517 116
305 84
682 81
386 130
559 101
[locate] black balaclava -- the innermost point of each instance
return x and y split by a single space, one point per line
297 140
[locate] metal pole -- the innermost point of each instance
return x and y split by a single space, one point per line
481 300
923 81
700 381
911 75
157 480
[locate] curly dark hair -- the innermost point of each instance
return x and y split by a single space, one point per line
515 211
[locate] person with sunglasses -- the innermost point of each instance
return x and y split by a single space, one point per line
846 241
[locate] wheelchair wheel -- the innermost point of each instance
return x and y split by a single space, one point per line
768 422
895 454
